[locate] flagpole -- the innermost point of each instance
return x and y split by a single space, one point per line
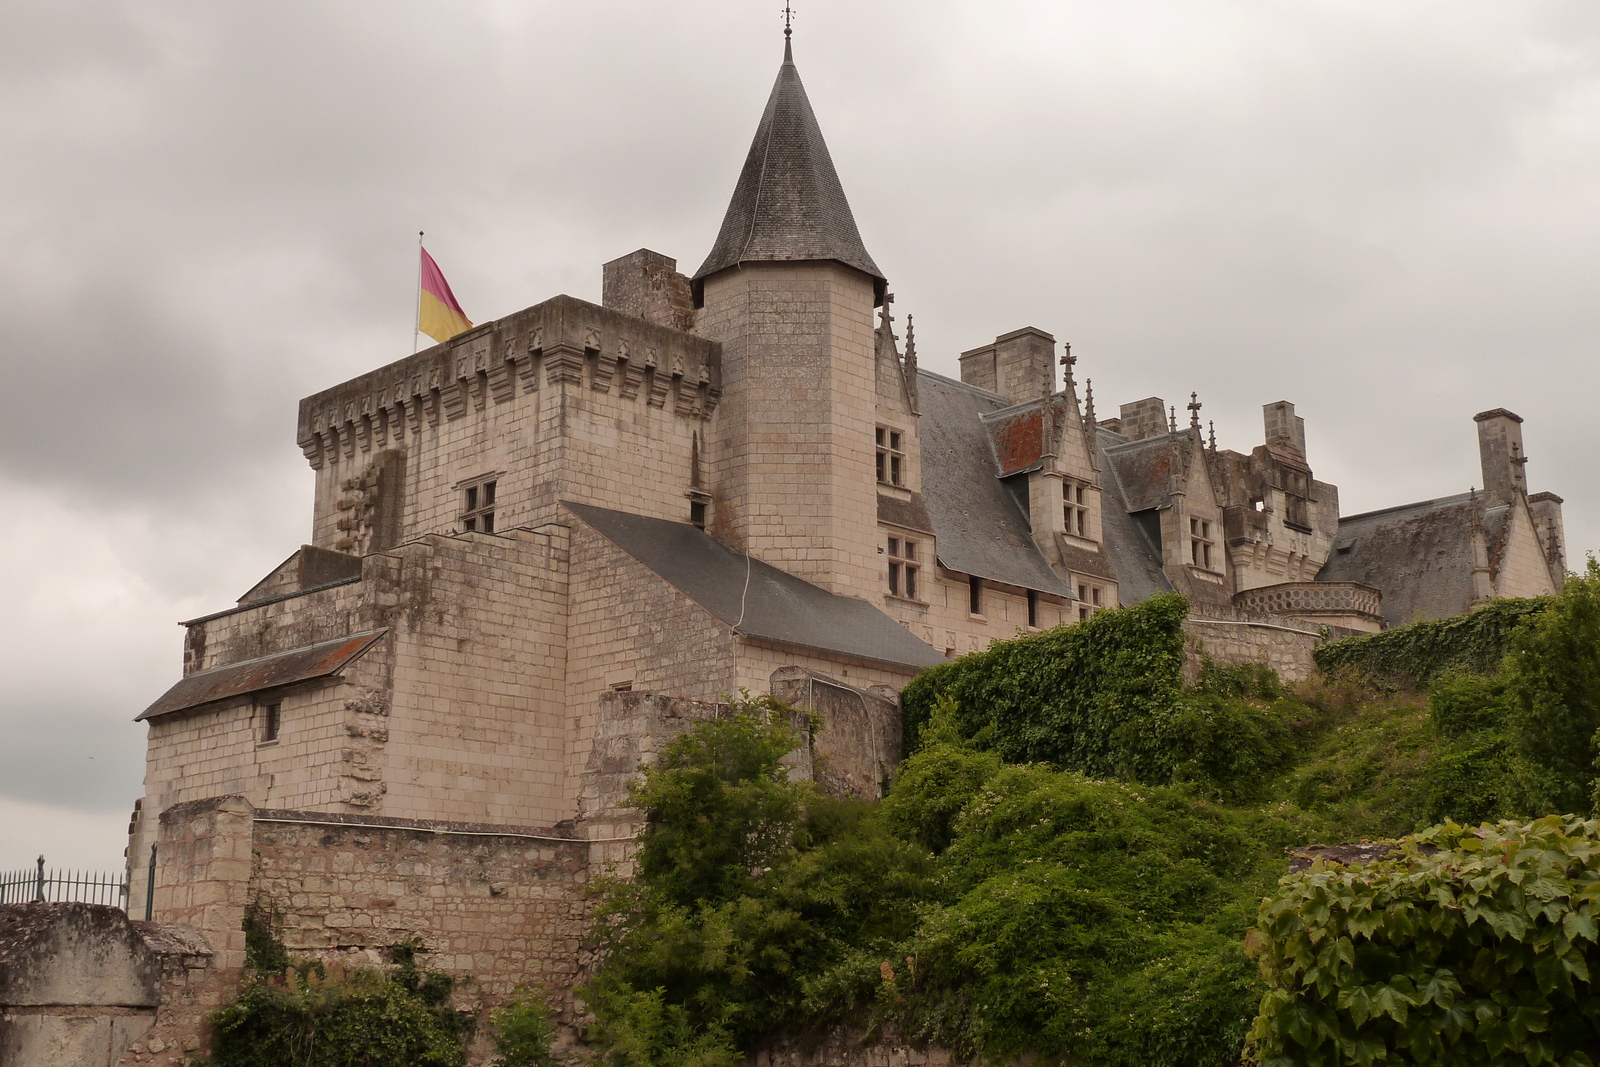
416 319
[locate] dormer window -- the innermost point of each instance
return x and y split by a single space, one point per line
1076 509
477 506
904 562
891 457
1200 543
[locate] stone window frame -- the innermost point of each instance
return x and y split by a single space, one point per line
1201 543
905 568
891 456
1075 508
271 720
480 502
1090 599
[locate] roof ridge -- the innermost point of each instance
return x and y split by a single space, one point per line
1436 502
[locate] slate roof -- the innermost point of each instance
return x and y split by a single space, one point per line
788 204
265 672
1419 555
1136 558
778 607
980 528
1144 469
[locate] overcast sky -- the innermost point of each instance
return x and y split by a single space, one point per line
1388 213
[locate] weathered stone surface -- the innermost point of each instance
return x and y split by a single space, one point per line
80 984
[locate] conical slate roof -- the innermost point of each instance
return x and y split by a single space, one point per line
788 205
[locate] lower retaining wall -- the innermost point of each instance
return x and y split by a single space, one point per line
82 986
503 906
1283 645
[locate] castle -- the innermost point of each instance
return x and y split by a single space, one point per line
536 546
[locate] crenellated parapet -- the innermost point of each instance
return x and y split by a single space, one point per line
563 343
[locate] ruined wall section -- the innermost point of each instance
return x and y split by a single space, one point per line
82 986
566 399
476 727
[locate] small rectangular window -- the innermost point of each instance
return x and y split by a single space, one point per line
1200 543
1075 510
891 464
271 721
477 511
975 594
697 513
1033 608
1095 595
903 567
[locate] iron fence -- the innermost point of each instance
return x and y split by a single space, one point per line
79 887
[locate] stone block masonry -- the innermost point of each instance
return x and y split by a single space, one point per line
500 906
82 986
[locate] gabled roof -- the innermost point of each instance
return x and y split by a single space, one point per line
980 528
1144 469
1136 558
789 205
757 600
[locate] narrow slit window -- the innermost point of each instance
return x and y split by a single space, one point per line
1033 608
975 595
271 721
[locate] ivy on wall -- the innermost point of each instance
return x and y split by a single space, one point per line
1098 697
1410 657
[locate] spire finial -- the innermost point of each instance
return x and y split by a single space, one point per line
1067 362
1172 418
1213 428
1194 411
1088 401
788 32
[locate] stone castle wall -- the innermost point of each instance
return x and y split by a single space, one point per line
502 906
1285 645
565 400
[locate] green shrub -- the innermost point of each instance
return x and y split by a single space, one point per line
748 885
521 1030
316 1016
932 790
1481 952
1553 693
1090 920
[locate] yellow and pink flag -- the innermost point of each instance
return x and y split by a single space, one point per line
438 314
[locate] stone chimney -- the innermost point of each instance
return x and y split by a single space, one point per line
1144 418
1285 429
1500 450
1020 365
647 285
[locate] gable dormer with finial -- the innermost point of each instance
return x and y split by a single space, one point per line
789 289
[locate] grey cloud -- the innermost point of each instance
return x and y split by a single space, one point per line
1387 213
